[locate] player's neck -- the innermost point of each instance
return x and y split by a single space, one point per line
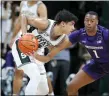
56 32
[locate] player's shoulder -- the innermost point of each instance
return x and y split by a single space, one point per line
103 29
82 30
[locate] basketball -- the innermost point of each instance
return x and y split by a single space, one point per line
28 43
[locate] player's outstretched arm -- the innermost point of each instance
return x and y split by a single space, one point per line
65 44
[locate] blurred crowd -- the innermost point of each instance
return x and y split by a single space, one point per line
66 64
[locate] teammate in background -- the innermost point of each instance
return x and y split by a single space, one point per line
27 8
51 33
96 40
32 9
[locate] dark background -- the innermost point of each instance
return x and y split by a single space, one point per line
79 8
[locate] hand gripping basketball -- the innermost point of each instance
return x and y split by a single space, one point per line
28 43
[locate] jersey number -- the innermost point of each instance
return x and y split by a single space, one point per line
95 52
23 57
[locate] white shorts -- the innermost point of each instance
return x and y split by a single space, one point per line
38 86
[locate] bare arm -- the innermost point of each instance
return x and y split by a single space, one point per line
65 44
17 27
17 24
42 11
40 22
23 24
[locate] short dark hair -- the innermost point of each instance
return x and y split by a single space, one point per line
93 13
65 16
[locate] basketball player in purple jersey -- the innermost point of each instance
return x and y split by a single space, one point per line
96 40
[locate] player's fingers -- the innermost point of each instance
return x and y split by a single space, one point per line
33 52
27 54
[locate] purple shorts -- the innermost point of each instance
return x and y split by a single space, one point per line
9 60
96 70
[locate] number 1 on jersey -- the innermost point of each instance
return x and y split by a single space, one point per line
95 52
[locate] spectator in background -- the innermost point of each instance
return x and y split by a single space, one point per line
8 74
6 25
60 68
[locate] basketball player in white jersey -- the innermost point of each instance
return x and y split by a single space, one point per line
28 8
50 34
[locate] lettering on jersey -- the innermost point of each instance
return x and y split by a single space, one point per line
42 41
23 57
99 41
83 41
93 47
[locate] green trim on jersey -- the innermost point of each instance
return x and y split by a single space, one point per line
23 58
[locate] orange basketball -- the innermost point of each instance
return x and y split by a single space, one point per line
28 43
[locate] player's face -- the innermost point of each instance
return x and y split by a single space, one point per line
90 22
68 27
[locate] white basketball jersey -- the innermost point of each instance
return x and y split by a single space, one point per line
30 10
44 38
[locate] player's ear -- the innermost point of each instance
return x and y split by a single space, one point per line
62 24
97 22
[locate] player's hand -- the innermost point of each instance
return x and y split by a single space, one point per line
23 34
27 34
30 54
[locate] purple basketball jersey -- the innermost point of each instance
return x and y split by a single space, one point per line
97 46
